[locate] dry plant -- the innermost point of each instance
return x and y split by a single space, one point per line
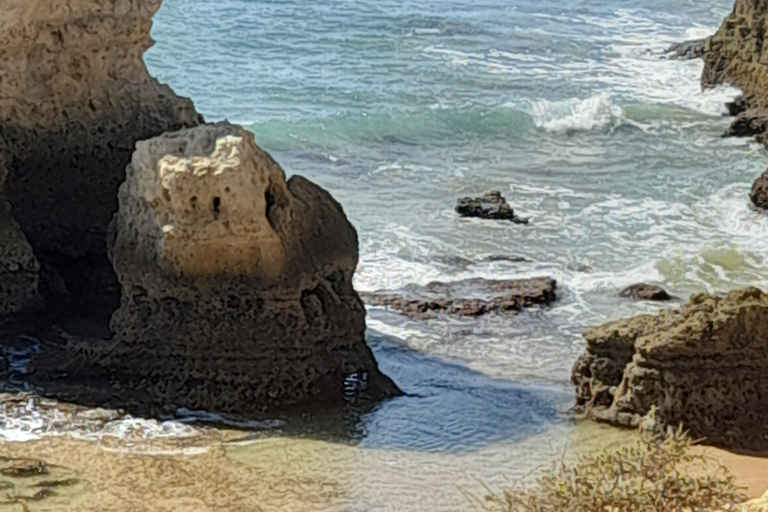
652 475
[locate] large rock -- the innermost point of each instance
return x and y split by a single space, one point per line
236 285
737 55
468 297
19 269
704 366
75 97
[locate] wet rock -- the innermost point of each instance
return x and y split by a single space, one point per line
491 206
236 285
689 50
704 366
70 122
737 106
22 468
644 291
734 56
759 193
469 297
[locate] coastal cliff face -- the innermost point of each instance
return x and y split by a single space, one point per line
75 97
236 285
704 366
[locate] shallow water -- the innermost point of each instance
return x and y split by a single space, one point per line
398 108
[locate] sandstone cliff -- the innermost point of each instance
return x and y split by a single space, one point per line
75 97
704 365
236 285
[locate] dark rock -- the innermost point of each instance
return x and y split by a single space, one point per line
688 50
737 106
469 297
759 192
491 206
644 291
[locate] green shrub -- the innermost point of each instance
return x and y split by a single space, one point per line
652 475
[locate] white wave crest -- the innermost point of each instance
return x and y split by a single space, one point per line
594 113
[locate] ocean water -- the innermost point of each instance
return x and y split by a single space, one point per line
399 108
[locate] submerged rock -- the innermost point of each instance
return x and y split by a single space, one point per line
759 192
236 285
704 366
19 268
491 206
644 291
689 50
76 96
469 297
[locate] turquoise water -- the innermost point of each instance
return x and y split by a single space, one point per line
398 108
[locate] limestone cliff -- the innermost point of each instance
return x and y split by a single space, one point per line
704 365
236 285
75 96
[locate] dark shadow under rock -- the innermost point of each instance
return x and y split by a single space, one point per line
491 206
469 297
737 106
644 291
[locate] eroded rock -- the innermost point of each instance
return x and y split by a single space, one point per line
735 55
19 268
491 206
75 97
704 366
236 285
645 291
469 297
759 193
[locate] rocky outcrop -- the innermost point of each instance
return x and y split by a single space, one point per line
704 365
19 269
469 297
491 206
759 192
645 291
736 55
236 285
75 97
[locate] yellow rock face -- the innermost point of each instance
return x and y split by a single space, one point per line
201 197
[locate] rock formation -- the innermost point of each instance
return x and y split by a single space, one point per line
688 50
644 291
736 55
469 297
236 285
704 365
75 97
19 269
491 206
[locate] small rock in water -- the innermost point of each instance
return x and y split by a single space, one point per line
644 291
737 106
469 297
491 206
759 192
689 50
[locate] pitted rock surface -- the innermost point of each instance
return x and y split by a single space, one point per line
469 297
759 193
704 366
236 285
75 97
